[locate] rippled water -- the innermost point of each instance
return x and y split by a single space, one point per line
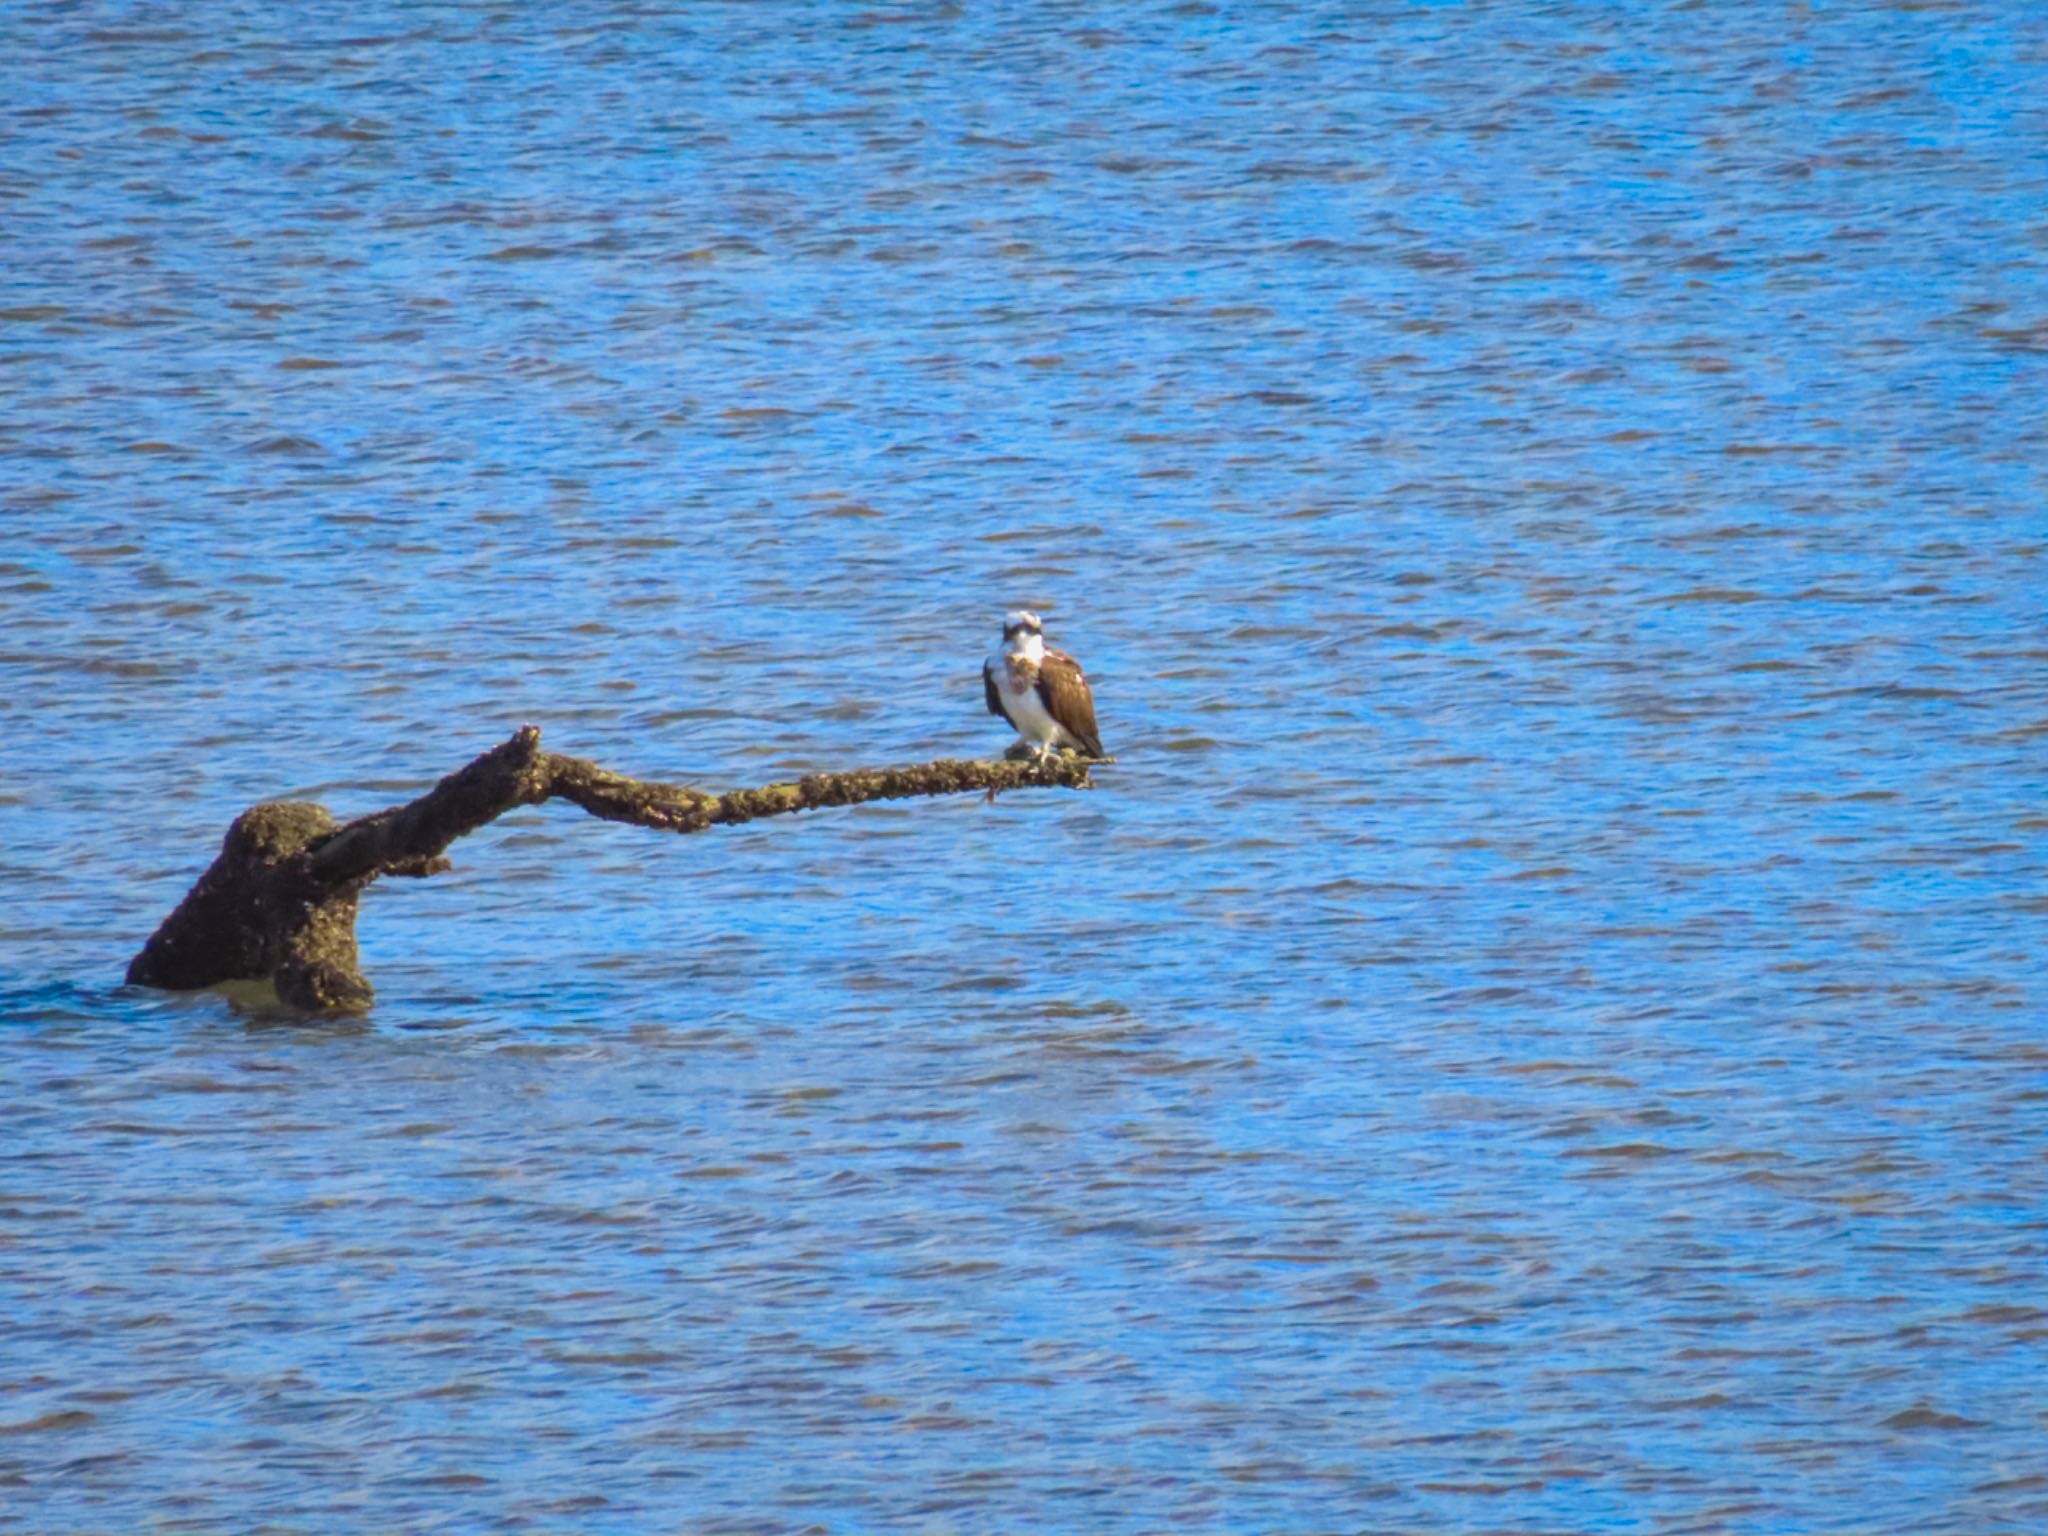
1540 1029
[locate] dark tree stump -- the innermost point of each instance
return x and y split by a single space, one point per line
279 903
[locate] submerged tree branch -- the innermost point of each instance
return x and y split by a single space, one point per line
279 903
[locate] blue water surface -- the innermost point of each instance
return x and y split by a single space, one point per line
1538 1030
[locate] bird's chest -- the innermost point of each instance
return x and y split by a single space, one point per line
1018 676
1018 681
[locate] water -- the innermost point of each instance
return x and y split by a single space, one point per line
1540 1029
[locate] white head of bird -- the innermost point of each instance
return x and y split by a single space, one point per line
1024 636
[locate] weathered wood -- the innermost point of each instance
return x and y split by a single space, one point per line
279 903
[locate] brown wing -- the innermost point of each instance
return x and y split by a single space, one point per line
992 693
1063 689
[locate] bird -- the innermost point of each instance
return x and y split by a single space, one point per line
1040 691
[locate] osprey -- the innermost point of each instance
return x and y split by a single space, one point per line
1040 691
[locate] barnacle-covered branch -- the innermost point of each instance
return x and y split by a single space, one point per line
279 903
